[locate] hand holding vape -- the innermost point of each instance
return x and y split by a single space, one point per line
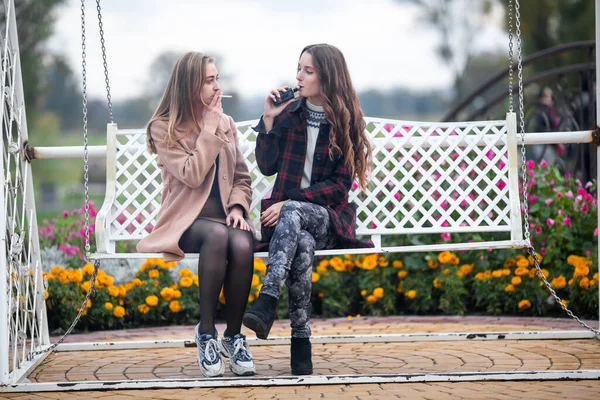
289 94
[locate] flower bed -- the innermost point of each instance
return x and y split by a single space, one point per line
564 232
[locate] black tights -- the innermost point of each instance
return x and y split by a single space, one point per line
226 259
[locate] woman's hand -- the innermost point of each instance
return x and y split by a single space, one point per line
213 111
271 215
236 218
271 110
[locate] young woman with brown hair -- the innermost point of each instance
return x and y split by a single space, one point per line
317 146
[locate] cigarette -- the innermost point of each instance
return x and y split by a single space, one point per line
227 95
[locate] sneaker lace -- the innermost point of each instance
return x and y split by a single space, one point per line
241 346
211 351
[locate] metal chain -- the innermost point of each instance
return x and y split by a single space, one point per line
86 225
510 56
91 292
108 97
530 248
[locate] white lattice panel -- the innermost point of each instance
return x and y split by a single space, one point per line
433 177
426 178
23 324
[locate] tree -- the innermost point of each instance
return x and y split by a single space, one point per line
61 94
547 23
544 24
457 23
34 25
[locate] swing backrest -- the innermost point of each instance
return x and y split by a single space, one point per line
427 178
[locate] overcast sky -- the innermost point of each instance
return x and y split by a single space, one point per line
385 43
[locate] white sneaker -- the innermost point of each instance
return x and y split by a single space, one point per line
240 359
209 354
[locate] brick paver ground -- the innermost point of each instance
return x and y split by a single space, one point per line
405 357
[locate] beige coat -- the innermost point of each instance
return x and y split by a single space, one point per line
188 171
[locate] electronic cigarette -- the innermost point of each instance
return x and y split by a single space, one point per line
285 96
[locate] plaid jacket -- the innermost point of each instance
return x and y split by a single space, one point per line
283 152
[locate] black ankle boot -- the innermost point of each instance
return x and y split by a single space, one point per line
261 316
301 359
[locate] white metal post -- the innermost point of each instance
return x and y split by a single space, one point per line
3 281
4 349
597 121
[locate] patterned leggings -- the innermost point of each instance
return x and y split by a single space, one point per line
302 228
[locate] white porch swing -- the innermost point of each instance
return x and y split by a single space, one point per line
428 178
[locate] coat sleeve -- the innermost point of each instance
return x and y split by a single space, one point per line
330 191
241 194
189 167
267 148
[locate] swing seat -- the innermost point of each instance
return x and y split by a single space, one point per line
428 178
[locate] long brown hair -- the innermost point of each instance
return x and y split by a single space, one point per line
347 136
181 102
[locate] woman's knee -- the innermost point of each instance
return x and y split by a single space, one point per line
241 242
218 238
290 209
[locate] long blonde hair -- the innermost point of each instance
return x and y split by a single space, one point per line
347 136
181 102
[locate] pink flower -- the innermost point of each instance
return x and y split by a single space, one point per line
584 207
589 184
354 185
531 198
567 221
559 195
502 165
589 198
65 214
549 201
397 196
560 212
588 253
569 194
373 225
596 231
543 163
530 164
543 251
549 222
567 175
581 191
501 185
489 154
538 230
446 236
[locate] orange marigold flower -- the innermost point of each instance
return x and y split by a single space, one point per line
524 304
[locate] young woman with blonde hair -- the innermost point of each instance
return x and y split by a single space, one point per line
205 202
